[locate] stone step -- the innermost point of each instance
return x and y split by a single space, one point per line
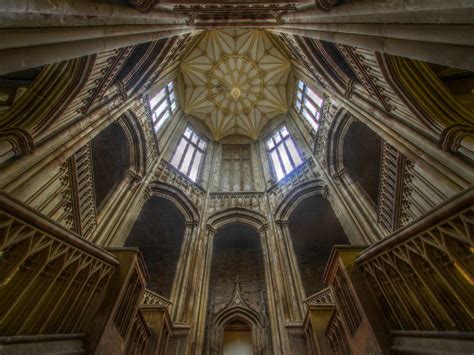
51 344
432 343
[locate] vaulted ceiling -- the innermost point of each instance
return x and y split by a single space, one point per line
235 81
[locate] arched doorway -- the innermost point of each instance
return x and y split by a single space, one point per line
237 338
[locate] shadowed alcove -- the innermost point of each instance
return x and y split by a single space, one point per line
361 156
110 161
314 230
237 311
158 232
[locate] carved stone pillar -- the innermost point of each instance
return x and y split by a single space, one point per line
275 292
197 304
181 292
290 271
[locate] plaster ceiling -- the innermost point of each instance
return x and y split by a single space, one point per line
235 81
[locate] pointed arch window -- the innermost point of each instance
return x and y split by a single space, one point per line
163 105
283 153
308 104
189 153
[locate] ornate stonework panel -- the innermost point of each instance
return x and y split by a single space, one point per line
235 81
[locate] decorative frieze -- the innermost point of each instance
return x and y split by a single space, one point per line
328 112
109 73
302 173
168 174
391 188
83 196
219 201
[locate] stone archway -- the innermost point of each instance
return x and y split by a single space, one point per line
248 320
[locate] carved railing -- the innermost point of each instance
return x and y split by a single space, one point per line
167 173
321 297
51 280
152 298
422 275
222 200
337 335
139 335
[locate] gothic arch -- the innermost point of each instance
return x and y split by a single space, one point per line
237 215
175 195
238 310
335 142
298 194
432 102
136 142
27 121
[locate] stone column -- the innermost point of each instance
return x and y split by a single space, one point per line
376 8
275 292
198 303
16 59
451 55
290 272
180 293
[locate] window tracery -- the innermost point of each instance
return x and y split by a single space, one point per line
284 154
189 153
308 104
163 105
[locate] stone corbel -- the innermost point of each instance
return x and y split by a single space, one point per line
15 142
326 192
142 5
452 137
327 5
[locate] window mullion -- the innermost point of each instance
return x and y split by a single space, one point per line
192 161
293 164
159 103
184 153
280 159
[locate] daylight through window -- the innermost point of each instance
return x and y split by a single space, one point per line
283 153
163 106
189 153
308 104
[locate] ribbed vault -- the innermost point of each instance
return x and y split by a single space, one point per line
235 81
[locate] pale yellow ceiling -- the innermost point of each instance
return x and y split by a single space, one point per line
235 81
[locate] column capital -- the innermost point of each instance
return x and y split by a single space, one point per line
282 223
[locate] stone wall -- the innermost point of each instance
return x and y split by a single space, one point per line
237 252
158 233
314 230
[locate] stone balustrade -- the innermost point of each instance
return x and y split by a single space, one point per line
51 280
422 274
152 298
321 297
